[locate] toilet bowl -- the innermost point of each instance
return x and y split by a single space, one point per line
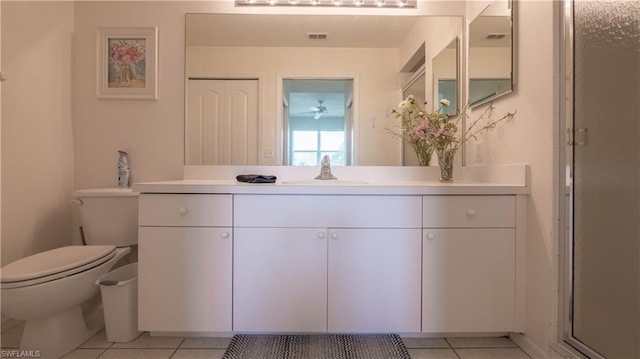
47 290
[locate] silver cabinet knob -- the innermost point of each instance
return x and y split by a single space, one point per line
334 235
183 211
321 235
430 236
471 212
225 235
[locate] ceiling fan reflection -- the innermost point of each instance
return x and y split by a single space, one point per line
319 110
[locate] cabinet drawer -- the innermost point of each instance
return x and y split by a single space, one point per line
327 211
468 211
177 210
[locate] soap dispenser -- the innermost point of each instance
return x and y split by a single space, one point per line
123 170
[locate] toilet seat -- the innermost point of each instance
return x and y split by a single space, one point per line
54 264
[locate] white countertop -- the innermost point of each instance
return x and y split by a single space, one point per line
327 187
471 180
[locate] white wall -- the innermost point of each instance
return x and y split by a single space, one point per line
489 62
436 33
152 132
37 133
532 138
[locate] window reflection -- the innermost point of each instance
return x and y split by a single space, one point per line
317 119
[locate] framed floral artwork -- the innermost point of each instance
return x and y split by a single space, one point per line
127 66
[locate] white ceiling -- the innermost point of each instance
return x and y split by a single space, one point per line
482 26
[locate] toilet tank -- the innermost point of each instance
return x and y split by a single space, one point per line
108 216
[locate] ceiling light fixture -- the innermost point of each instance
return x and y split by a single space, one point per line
398 4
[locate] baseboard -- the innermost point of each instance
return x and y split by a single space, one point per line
563 351
528 346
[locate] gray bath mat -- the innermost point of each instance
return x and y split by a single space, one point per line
317 346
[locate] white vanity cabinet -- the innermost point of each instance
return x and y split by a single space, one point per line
374 280
185 262
305 263
404 256
469 264
280 280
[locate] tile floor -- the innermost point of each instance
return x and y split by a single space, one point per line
153 347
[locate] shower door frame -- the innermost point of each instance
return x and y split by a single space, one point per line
566 190
566 340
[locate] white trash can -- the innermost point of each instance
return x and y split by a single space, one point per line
119 291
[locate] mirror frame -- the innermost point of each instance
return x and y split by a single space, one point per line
511 4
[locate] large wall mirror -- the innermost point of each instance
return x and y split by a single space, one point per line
490 70
239 105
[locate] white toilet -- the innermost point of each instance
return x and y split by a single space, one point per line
47 289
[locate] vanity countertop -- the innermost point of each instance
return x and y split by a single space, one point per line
330 187
468 180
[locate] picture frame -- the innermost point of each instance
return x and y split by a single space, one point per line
127 63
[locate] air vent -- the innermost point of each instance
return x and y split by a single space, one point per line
317 35
496 36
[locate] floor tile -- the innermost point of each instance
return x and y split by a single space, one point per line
97 341
11 337
209 343
84 354
491 353
146 341
198 354
137 354
425 343
432 354
501 342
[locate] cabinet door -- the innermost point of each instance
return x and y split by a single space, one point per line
184 279
374 280
280 280
468 280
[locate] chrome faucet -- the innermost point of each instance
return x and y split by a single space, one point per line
325 170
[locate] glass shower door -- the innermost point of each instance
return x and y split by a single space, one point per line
605 265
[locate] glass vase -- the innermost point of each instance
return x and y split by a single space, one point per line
423 151
424 156
445 161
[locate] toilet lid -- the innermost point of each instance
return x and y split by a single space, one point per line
54 264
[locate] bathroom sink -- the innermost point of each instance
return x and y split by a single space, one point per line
311 182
